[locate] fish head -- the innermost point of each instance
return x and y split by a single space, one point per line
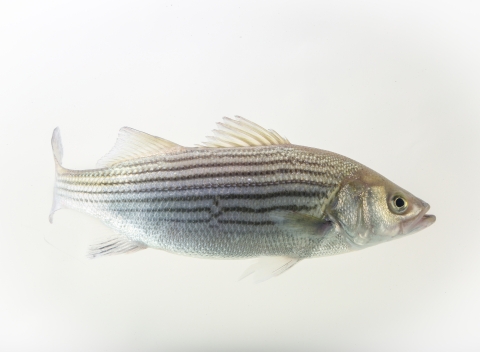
371 209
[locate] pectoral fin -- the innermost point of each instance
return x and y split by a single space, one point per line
302 224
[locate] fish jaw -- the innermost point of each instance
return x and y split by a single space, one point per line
422 221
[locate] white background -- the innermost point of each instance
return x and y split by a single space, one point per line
392 84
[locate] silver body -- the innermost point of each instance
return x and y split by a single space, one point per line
247 192
215 202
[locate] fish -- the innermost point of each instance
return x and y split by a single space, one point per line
247 192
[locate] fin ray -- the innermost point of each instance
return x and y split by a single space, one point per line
57 146
302 224
240 132
113 246
133 144
57 149
268 267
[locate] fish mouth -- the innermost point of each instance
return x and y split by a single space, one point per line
422 221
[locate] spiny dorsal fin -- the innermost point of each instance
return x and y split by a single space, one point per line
240 132
132 144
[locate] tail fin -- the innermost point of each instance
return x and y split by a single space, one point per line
58 156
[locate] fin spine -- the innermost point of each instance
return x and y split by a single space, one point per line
240 132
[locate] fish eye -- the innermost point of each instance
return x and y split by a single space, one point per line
399 204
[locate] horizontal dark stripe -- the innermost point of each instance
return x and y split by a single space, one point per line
180 198
163 166
246 222
193 154
220 210
204 186
97 183
214 222
208 153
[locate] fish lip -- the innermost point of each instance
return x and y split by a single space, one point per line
422 221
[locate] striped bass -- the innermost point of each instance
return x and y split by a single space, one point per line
246 192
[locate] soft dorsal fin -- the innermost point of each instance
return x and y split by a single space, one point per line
240 132
132 144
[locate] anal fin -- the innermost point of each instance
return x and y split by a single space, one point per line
112 246
267 267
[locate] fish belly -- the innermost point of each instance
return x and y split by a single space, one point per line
212 202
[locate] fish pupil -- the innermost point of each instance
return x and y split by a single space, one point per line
399 202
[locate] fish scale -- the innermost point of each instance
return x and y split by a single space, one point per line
247 192
183 204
